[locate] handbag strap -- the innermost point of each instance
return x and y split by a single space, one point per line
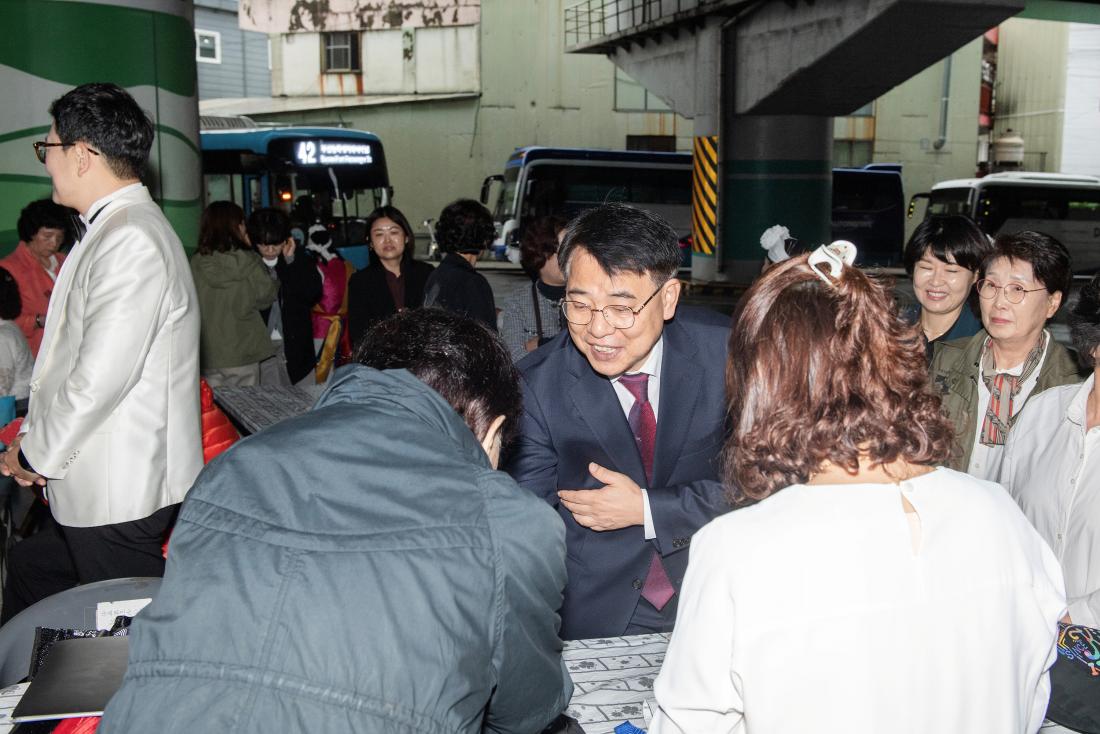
538 308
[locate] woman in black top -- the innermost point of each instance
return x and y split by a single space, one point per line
464 230
393 280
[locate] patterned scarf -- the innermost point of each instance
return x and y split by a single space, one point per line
1003 389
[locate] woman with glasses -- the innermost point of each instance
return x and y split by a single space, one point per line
986 380
943 258
866 589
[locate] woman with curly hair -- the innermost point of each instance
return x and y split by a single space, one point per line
464 230
866 589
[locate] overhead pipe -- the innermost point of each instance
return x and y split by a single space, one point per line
944 102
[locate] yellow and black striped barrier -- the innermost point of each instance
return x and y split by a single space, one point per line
704 195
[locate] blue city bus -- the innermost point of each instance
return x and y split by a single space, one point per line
326 174
868 203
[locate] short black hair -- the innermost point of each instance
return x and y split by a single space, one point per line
268 226
45 213
1048 257
1084 322
11 304
947 236
623 238
456 356
397 217
109 120
464 226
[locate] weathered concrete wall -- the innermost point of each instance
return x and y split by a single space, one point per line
407 61
291 16
907 123
1031 88
1080 141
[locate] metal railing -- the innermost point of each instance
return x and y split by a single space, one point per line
591 21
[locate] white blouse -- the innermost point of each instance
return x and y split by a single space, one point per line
811 612
1052 468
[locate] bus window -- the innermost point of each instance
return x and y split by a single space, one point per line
569 189
949 201
1000 204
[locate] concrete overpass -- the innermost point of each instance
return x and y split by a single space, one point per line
765 77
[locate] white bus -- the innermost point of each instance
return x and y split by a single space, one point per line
1063 206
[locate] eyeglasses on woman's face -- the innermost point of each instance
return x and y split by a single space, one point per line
1013 292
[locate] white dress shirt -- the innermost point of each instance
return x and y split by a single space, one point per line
651 367
810 612
985 461
1052 468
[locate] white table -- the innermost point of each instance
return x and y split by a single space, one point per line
613 680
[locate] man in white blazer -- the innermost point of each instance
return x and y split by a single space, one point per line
113 429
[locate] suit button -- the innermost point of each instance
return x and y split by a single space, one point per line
636 583
34 386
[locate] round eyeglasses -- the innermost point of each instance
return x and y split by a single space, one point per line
1014 292
580 313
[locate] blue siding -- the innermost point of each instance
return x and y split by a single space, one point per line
243 69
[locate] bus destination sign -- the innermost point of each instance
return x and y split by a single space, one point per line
316 152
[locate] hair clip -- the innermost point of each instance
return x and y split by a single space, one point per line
835 255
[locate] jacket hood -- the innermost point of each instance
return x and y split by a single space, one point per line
400 393
224 269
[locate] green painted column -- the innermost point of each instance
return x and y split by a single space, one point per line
146 46
775 170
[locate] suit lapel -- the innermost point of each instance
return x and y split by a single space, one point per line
680 387
595 401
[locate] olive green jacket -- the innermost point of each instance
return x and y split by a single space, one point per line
954 375
233 287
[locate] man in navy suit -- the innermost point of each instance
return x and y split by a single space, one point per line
624 418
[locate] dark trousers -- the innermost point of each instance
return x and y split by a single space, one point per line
59 557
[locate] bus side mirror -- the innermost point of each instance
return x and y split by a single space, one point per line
487 184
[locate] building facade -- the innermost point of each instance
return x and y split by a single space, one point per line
232 62
452 87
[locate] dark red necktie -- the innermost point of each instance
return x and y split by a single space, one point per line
658 589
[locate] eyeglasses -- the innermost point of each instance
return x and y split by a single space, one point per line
41 145
1014 292
618 317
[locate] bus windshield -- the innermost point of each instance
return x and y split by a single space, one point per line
315 174
566 189
949 201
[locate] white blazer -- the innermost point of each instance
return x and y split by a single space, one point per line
114 421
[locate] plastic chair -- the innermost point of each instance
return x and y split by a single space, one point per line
70 609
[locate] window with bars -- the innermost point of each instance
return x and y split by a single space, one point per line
341 51
208 46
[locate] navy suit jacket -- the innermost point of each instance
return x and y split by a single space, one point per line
572 417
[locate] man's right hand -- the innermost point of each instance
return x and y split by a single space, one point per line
10 467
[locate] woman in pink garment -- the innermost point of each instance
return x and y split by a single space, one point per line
44 228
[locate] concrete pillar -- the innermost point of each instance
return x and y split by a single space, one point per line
776 169
705 189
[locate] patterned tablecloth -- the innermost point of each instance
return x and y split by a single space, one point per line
256 408
613 680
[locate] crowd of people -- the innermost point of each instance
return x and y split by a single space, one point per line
820 498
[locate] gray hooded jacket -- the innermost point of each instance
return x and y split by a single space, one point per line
359 568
